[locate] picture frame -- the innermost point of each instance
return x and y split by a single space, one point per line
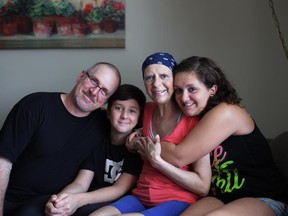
70 24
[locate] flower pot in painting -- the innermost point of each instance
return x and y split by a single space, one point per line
24 24
9 28
109 25
64 26
95 27
79 29
42 28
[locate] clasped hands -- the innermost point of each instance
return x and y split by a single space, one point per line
61 205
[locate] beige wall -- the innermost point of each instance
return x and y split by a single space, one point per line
240 35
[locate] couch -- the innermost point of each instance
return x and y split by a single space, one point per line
279 147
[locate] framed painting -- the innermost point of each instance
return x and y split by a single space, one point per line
36 24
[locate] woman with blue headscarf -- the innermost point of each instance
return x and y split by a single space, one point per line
169 190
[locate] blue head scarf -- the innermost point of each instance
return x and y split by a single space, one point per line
162 58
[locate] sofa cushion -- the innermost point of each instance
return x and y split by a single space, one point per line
279 147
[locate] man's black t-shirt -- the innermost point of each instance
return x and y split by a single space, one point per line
46 144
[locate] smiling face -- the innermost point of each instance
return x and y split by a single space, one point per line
88 97
123 115
191 94
158 81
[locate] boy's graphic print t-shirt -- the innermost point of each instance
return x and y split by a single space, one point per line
110 162
113 170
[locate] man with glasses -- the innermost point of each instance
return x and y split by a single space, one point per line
46 136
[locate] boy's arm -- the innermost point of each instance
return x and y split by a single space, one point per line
81 183
75 200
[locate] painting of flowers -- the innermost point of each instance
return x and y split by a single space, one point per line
62 24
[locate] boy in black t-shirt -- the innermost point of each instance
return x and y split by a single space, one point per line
112 170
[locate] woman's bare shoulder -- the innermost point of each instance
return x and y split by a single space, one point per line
234 115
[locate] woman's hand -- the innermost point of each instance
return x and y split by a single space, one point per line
150 149
131 141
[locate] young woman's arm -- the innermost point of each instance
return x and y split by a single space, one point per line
196 180
217 125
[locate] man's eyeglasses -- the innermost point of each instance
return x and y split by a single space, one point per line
95 83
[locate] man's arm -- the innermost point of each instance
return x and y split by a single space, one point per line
5 169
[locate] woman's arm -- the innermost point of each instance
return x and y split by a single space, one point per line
196 180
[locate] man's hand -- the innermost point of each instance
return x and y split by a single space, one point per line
51 210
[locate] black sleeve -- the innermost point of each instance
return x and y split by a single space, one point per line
18 129
132 163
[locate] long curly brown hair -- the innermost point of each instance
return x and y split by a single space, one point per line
209 74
